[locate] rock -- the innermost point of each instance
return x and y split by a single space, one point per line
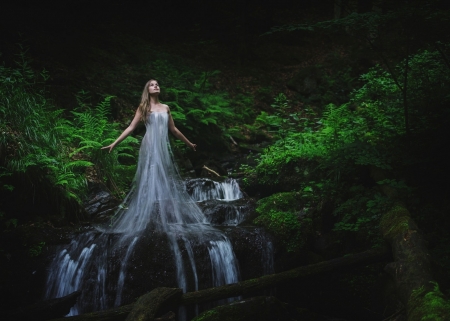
231 213
254 250
100 201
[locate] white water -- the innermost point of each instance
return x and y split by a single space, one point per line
206 189
224 263
157 201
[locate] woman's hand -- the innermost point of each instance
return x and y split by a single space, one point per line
193 146
110 147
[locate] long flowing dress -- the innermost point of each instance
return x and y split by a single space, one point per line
158 196
158 200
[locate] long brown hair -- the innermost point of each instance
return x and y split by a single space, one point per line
144 106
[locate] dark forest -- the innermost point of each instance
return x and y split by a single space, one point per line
327 119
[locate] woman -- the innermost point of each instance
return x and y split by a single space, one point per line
158 202
150 103
158 196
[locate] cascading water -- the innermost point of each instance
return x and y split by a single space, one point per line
98 262
85 263
205 189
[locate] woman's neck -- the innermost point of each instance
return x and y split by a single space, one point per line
154 100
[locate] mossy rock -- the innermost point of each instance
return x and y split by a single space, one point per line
282 215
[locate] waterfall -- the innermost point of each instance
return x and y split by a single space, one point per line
121 279
224 263
97 262
202 189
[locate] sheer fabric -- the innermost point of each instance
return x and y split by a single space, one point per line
158 196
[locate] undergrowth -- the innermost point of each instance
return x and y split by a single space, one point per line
332 154
51 156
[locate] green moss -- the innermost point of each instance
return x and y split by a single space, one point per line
207 315
428 305
280 201
279 215
394 222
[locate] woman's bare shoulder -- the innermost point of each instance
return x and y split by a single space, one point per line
166 107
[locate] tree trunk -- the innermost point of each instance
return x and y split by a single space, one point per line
411 266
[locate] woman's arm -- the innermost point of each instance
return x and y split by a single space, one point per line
126 132
177 133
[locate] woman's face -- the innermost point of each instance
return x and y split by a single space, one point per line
153 87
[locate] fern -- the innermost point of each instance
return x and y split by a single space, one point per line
90 131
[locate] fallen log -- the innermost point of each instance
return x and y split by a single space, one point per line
241 288
148 305
410 270
267 281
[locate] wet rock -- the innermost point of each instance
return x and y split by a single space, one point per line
100 202
229 213
254 250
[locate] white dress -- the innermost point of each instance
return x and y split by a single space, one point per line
158 196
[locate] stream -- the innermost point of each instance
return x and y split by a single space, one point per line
113 267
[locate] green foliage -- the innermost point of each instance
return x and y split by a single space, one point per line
190 108
428 305
281 214
360 213
282 121
195 104
201 110
365 130
53 153
30 131
90 130
369 130
36 249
